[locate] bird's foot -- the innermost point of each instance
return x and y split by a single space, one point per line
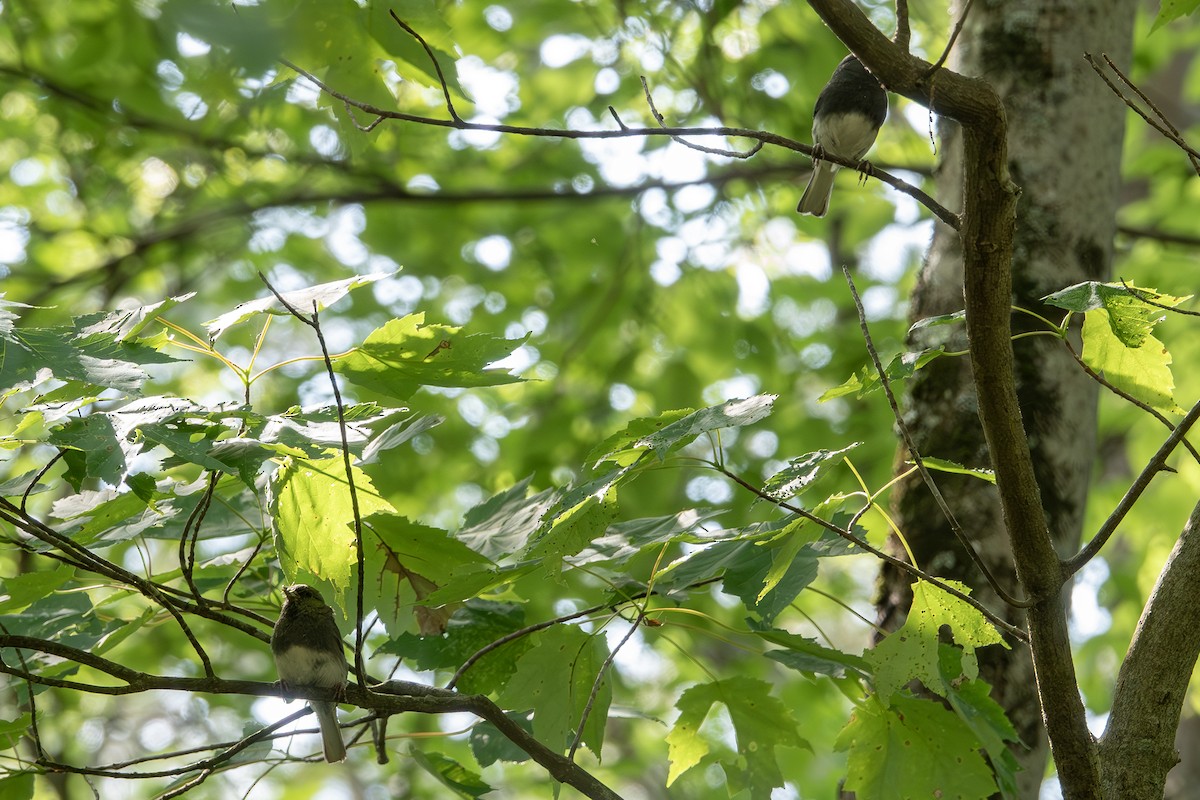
865 170
818 152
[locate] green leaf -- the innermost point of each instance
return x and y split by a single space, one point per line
20 591
555 680
801 473
313 518
471 628
18 786
21 484
942 465
1130 317
621 448
700 565
912 651
624 541
66 617
301 300
8 318
454 776
938 320
126 629
730 414
761 723
313 431
406 354
807 656
501 525
206 438
583 515
423 17
767 579
489 745
398 434
1171 10
241 29
91 359
438 568
115 516
430 552
912 748
866 380
1143 372
730 548
90 450
972 702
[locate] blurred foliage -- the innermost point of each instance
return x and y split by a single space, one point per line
159 147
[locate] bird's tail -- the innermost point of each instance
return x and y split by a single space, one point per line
815 199
331 734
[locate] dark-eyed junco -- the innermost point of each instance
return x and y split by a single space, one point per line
308 652
847 117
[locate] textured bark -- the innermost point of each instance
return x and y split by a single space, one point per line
1064 152
1154 678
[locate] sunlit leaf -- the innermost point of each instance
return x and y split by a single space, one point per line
912 748
761 723
303 301
405 354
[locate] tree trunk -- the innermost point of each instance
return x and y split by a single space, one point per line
1065 148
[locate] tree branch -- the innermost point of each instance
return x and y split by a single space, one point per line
314 322
1156 464
915 454
393 697
1139 739
988 224
625 132
866 547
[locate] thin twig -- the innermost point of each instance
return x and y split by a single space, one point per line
916 455
513 636
241 570
1150 103
191 532
86 560
615 116
1168 237
314 322
363 128
1142 295
958 26
716 151
30 694
1164 126
436 66
1152 468
765 137
598 682
903 35
38 478
900 564
92 562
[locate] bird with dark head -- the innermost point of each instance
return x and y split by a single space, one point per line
846 119
307 646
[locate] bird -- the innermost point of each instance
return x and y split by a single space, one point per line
307 646
846 119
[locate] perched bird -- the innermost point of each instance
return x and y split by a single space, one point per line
846 119
308 653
